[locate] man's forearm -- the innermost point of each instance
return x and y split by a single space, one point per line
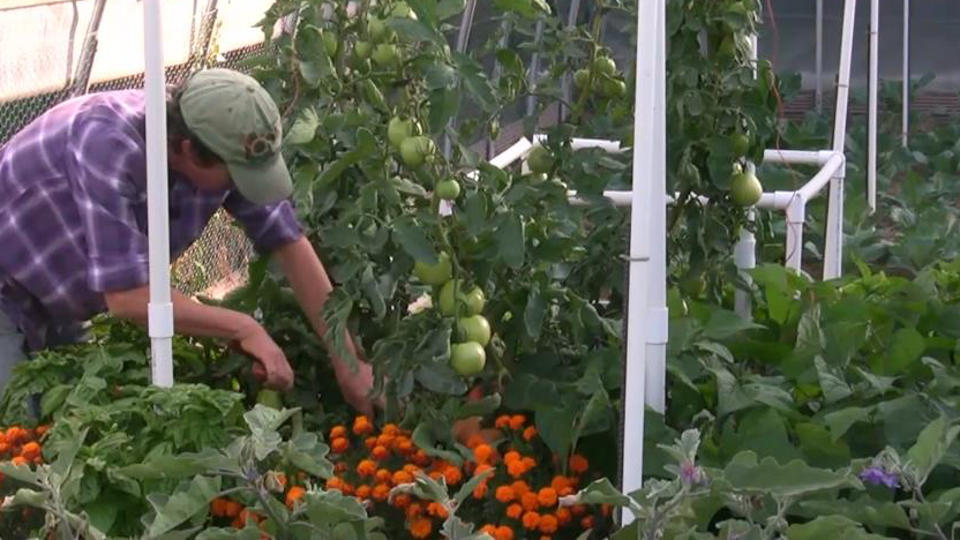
189 317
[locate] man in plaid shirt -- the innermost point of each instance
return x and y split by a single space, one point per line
73 218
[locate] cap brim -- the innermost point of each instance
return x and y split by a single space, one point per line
265 183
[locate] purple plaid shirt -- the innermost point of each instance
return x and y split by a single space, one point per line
73 212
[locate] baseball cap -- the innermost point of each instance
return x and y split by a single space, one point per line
238 120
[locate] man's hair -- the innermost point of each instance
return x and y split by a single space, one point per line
178 131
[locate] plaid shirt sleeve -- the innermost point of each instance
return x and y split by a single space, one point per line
106 162
270 226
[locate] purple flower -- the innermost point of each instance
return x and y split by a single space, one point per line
879 477
690 474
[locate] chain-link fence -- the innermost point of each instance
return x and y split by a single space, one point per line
49 57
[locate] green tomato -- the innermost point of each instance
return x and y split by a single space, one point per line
727 47
448 190
398 130
475 328
385 55
740 143
472 301
416 150
362 49
434 274
402 11
270 398
581 78
539 160
468 359
377 29
745 189
605 65
613 88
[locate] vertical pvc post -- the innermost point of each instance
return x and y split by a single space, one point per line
872 106
648 77
796 216
565 83
658 318
534 71
905 130
833 252
745 250
819 54
160 308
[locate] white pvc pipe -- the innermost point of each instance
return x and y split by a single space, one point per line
833 251
797 157
160 308
658 319
744 251
581 143
819 60
648 77
796 216
872 106
516 151
905 130
826 174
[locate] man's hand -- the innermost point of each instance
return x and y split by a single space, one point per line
270 364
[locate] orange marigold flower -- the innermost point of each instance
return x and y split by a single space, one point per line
340 445
347 488
362 426
20 460
452 475
404 446
578 509
295 494
414 510
436 475
548 523
380 492
437 509
482 468
402 477
502 421
529 433
579 464
363 491
483 453
547 497
338 431
402 500
529 501
421 458
41 430
370 442
489 529
390 429
531 520
514 511
475 440
516 469
218 507
505 494
385 440
480 491
383 476
503 533
559 482
511 456
334 482
30 450
421 527
517 421
232 509
366 467
564 491
520 487
380 452
529 463
340 467
411 468
586 522
564 516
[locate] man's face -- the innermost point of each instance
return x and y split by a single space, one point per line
204 176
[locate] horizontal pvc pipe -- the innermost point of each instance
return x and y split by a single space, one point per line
515 152
797 157
778 200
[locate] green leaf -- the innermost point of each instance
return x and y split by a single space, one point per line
534 313
481 407
413 29
188 500
317 69
794 479
179 466
428 434
467 489
326 509
304 128
830 527
371 290
603 492
444 105
867 510
906 347
839 422
819 449
831 382
724 324
306 452
406 186
217 533
510 239
931 446
439 377
440 75
475 81
527 8
263 422
556 427
410 236
449 8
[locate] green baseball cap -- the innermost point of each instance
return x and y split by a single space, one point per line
238 120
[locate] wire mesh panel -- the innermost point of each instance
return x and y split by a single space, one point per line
55 50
